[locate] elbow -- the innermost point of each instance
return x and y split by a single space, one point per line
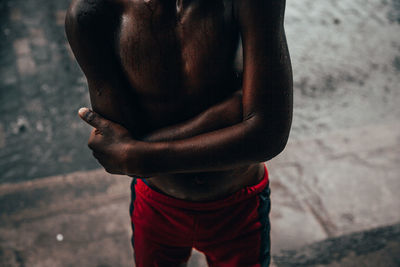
269 149
279 146
269 138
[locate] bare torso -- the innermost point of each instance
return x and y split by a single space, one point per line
152 64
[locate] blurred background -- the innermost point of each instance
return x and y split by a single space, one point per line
335 189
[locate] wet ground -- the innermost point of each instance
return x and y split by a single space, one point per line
41 88
338 178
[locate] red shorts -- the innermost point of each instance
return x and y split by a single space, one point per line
233 231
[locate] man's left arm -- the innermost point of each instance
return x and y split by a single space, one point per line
267 111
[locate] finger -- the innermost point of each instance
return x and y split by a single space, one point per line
92 139
93 119
95 141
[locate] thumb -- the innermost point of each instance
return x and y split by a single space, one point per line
92 118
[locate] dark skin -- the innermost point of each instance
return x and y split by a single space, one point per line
167 102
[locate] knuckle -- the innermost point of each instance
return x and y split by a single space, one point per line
90 116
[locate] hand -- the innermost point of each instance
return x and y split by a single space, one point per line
109 142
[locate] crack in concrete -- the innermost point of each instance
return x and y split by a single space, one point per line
318 210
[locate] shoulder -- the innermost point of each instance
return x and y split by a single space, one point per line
92 13
248 7
260 15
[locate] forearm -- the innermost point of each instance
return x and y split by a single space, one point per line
221 115
246 142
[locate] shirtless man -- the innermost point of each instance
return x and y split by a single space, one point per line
170 108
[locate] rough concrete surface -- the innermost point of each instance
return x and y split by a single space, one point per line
338 178
336 184
41 89
377 247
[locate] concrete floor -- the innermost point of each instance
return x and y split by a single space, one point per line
339 174
41 89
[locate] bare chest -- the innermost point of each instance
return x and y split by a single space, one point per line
175 58
170 48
